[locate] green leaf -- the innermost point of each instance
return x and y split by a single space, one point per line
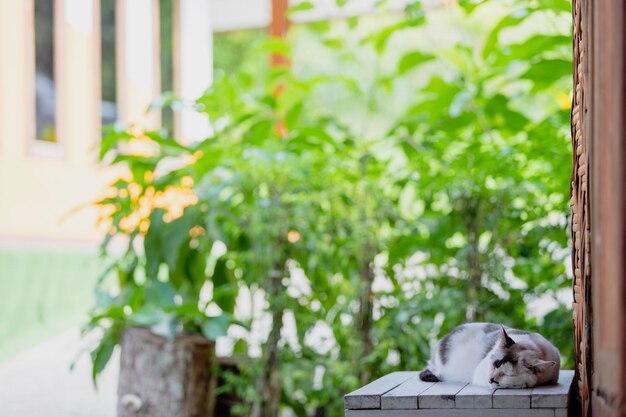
412 60
300 7
240 347
166 327
353 22
153 243
147 315
169 146
502 116
415 14
225 297
381 37
111 137
220 273
558 5
165 100
196 265
185 310
531 48
160 293
334 43
176 236
470 5
548 71
293 115
101 355
514 18
224 286
276 45
319 26
259 132
214 327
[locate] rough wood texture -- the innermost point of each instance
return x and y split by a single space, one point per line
553 396
164 378
599 199
474 397
278 28
511 398
369 395
607 141
454 412
440 395
580 224
405 395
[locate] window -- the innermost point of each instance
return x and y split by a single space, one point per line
45 88
108 108
166 40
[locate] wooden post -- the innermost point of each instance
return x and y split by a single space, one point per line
279 28
599 205
280 22
580 220
608 206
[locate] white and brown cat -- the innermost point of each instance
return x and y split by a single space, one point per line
491 355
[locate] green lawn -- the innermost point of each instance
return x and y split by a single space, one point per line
42 292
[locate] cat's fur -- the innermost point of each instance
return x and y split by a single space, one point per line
491 355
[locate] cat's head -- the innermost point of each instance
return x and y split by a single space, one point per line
515 365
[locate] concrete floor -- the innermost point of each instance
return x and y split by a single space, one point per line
39 383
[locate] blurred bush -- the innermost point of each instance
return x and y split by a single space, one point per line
405 174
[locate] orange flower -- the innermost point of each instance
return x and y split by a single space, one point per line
281 129
186 181
293 236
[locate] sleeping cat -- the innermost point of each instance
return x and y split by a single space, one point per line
488 354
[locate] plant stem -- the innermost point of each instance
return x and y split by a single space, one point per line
366 308
268 384
473 262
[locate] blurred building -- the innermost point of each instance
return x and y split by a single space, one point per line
66 68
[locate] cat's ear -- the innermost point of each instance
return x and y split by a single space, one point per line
538 366
505 340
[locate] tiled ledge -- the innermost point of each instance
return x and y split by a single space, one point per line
403 394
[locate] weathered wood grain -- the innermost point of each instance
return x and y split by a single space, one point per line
553 396
580 200
454 412
604 85
368 397
440 395
162 377
473 396
512 398
404 396
401 394
560 412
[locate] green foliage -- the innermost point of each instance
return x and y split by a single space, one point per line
396 184
230 47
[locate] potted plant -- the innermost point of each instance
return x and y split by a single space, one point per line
151 299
